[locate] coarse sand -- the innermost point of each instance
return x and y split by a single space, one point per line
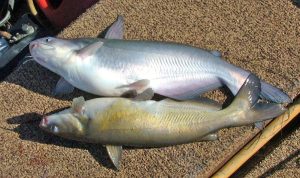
260 36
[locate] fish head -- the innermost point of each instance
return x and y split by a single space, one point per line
67 124
53 53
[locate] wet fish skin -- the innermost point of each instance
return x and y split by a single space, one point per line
115 122
112 67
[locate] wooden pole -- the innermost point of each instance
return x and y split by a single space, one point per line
259 141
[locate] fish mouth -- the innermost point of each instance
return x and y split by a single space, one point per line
43 122
40 59
46 46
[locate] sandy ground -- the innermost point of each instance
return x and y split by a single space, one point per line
279 158
260 36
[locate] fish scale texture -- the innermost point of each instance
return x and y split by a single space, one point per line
260 36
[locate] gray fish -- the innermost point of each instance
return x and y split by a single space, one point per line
116 67
117 122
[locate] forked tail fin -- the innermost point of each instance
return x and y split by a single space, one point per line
245 108
274 94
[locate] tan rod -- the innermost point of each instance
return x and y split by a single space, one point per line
258 141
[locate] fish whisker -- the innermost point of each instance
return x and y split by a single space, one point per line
25 61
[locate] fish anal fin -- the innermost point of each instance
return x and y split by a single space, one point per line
216 53
259 125
115 154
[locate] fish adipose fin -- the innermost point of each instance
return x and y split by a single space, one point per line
274 94
216 53
245 104
63 87
116 29
115 154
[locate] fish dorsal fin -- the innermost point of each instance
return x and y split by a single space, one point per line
115 31
78 105
89 50
115 154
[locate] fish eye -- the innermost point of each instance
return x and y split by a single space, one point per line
54 129
48 39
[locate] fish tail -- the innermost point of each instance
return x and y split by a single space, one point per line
268 91
245 108
274 94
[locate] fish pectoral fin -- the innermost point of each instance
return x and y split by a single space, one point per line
115 31
115 154
89 50
209 137
63 87
78 105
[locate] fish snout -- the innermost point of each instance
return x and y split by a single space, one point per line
32 45
44 122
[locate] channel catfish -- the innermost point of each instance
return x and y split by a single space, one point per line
116 67
116 122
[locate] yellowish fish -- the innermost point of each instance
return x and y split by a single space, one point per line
115 122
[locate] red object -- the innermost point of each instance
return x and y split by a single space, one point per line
66 11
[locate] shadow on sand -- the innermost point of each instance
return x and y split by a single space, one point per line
28 129
38 79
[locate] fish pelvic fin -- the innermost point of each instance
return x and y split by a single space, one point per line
246 109
115 154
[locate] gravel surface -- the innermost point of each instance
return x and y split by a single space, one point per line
260 36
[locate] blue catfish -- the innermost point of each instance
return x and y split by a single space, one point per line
116 67
115 122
